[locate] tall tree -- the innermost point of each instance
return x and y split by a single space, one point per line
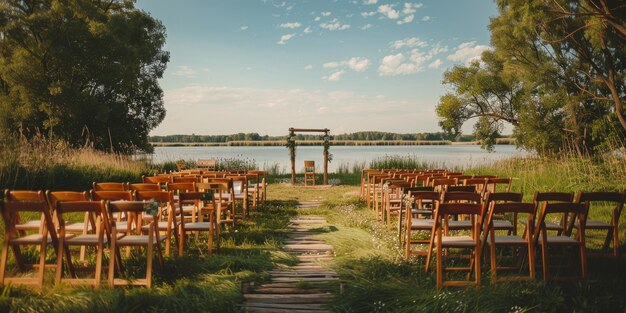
571 52
81 69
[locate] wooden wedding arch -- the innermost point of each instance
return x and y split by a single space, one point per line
291 144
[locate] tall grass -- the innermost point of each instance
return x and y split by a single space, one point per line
40 163
402 162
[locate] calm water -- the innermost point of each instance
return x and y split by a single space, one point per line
444 156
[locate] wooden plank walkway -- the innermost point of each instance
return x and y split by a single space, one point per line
302 287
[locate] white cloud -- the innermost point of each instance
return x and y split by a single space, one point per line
426 18
409 42
290 25
335 24
358 64
243 27
366 26
185 71
388 11
285 38
331 65
436 64
467 52
368 2
326 13
417 61
307 30
404 15
367 14
406 19
317 18
308 67
335 76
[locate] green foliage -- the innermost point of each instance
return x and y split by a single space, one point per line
81 69
483 92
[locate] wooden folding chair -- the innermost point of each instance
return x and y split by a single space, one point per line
240 187
262 184
83 228
159 179
121 219
166 219
615 199
309 172
14 238
95 209
499 221
541 198
190 208
578 212
416 223
471 241
224 194
206 203
132 237
495 241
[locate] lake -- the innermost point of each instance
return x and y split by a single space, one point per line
264 157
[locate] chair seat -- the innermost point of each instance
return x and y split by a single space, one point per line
508 240
421 211
549 225
502 224
422 223
34 239
77 227
197 226
89 239
562 240
30 225
459 224
138 240
161 225
595 224
457 241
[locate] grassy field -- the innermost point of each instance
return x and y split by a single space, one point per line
378 278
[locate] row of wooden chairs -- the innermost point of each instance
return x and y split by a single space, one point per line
102 226
485 228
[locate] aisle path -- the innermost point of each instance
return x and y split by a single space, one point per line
303 287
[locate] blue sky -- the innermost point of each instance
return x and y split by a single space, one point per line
264 66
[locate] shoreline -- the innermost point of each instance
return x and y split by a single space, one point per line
502 141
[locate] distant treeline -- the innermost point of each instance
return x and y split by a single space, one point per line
358 136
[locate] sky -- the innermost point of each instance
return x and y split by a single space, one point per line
266 65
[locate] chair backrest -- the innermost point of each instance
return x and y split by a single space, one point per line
461 196
160 179
504 197
514 208
110 186
413 190
17 201
161 196
186 179
111 195
616 198
459 208
444 182
493 183
553 197
145 186
485 176
576 211
56 196
181 187
462 188
128 208
96 207
309 166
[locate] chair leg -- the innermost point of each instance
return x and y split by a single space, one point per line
494 265
439 266
3 262
615 241
477 254
149 260
112 258
583 261
531 260
42 261
544 260
59 266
